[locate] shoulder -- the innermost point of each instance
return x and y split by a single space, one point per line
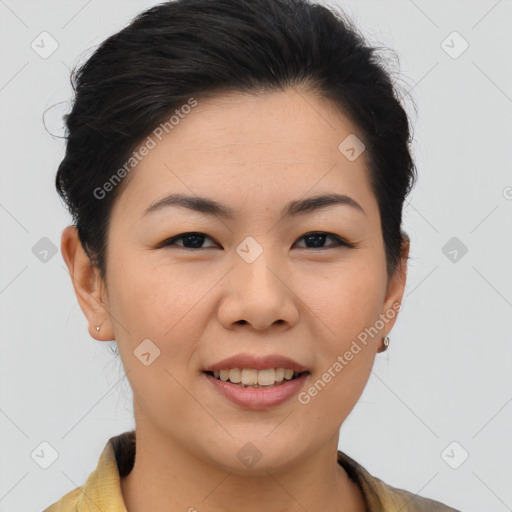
400 499
382 497
102 489
68 502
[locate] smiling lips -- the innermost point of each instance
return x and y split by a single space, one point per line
257 382
247 370
252 377
254 362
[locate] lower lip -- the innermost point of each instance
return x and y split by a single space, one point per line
258 398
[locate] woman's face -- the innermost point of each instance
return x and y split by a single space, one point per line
252 283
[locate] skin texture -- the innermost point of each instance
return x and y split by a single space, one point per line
254 153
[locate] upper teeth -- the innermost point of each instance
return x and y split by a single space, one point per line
251 376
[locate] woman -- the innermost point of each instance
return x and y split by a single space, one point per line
236 173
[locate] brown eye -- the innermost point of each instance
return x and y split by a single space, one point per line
317 239
189 241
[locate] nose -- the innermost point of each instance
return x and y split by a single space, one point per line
259 293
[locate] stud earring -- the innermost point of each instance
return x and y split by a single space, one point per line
386 343
97 328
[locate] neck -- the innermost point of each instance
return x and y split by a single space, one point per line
166 476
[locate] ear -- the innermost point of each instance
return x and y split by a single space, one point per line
89 288
396 287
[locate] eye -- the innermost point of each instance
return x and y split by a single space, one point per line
195 240
190 240
317 238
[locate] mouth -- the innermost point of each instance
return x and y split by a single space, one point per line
256 379
251 393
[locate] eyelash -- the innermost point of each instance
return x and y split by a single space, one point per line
340 242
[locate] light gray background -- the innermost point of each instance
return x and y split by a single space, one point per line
447 374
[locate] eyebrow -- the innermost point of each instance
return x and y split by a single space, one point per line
213 208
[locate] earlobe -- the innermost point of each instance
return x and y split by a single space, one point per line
88 285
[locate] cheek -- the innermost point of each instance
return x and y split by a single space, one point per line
346 301
150 304
159 303
143 295
348 304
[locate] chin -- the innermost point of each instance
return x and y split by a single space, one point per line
255 454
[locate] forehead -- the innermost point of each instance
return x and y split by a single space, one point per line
249 151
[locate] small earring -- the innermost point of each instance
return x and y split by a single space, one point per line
97 328
386 343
